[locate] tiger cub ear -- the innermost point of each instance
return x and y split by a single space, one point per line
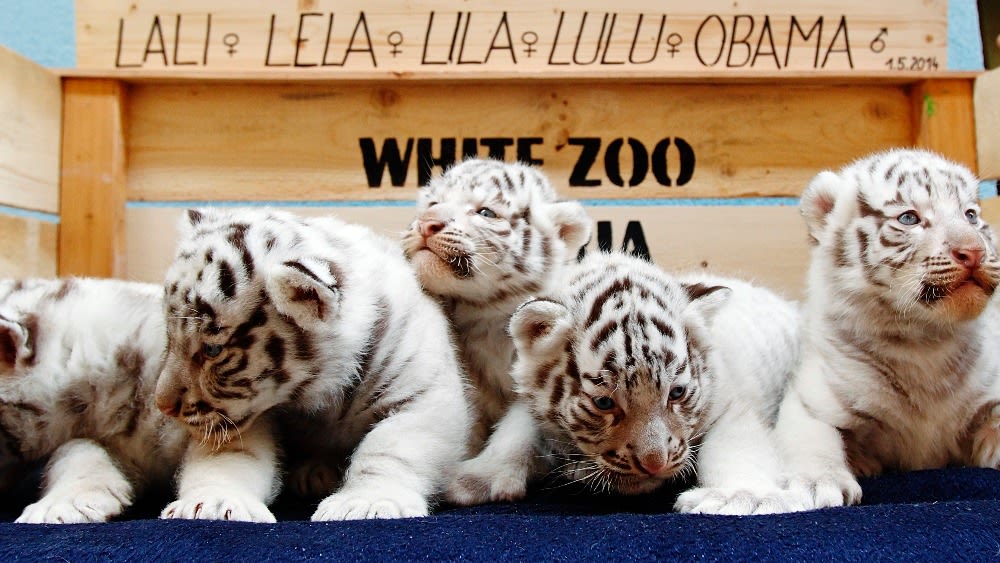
539 327
705 300
15 342
305 290
192 218
572 223
817 202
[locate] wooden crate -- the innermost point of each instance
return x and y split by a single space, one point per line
699 164
156 146
30 122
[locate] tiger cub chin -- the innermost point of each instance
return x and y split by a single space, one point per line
79 359
311 336
629 377
487 236
899 365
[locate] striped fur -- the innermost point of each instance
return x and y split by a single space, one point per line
629 377
899 370
319 328
487 235
79 359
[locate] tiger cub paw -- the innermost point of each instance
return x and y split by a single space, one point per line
215 504
986 442
92 504
360 503
827 489
739 502
479 481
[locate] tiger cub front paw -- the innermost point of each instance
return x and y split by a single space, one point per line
826 489
479 481
360 503
738 502
96 504
986 442
218 504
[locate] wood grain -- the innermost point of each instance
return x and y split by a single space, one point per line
767 244
944 119
29 247
987 108
91 235
385 38
30 117
234 141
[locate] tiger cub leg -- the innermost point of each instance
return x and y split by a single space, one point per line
815 460
739 471
985 436
82 484
402 462
233 482
502 470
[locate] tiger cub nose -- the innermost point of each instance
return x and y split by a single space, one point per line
429 227
170 406
969 257
652 462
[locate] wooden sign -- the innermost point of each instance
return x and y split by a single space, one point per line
987 95
383 38
745 247
314 142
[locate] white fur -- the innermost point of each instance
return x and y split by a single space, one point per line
80 394
502 271
887 381
399 427
752 337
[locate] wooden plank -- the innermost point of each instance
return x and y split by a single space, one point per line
944 119
388 38
265 141
30 117
29 247
987 107
677 238
991 212
91 237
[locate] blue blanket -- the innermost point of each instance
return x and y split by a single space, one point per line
949 514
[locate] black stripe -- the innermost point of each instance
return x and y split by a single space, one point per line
227 280
237 237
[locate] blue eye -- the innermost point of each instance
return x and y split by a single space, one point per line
211 350
604 403
676 392
487 212
972 216
908 218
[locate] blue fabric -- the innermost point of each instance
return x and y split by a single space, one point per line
940 515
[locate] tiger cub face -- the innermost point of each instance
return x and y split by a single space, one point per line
239 309
616 372
902 229
487 230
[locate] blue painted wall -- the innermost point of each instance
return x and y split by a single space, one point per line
43 30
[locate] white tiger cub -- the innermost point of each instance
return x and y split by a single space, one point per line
899 369
79 359
321 328
628 377
488 235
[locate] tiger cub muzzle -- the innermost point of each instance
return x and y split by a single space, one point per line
966 271
208 422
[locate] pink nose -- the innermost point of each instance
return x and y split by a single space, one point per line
969 257
652 462
429 227
168 406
